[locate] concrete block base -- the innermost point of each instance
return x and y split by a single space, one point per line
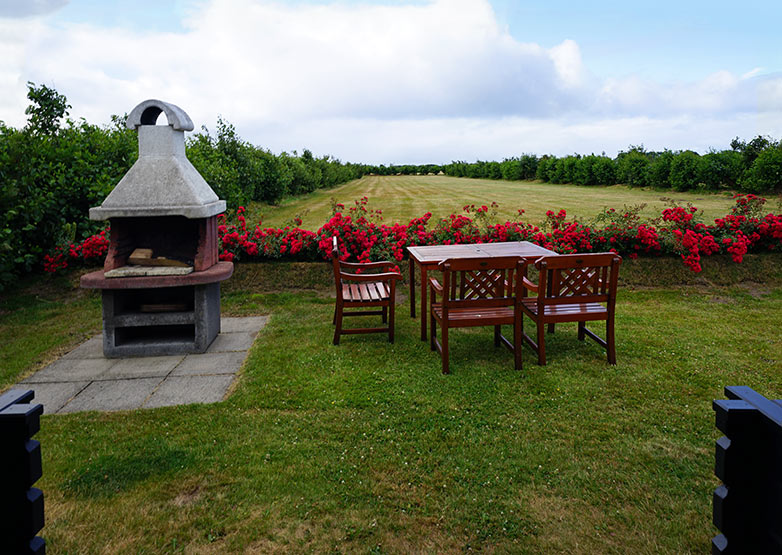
161 321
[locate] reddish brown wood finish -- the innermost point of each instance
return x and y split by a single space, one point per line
429 257
572 288
476 292
363 290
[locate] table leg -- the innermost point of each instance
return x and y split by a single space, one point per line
412 287
424 306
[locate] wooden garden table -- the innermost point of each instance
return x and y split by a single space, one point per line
429 257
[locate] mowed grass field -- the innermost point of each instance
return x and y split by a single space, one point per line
404 197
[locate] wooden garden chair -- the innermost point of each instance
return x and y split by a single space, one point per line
363 290
476 292
572 288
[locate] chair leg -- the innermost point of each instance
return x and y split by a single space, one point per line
517 341
334 320
497 333
444 346
385 315
338 322
611 345
391 321
541 344
432 332
581 334
551 328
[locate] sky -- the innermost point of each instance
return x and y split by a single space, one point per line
413 81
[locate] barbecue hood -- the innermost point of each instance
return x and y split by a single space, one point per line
162 182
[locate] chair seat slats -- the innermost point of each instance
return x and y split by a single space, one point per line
470 317
365 292
562 309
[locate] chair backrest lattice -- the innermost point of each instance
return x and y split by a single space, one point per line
578 278
479 280
578 281
482 284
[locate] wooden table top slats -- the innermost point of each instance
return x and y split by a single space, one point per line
437 253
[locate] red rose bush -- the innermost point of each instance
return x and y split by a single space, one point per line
361 235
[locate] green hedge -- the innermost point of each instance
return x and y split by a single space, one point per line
753 167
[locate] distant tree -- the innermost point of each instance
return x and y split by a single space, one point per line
685 168
659 172
545 167
604 170
720 169
46 110
765 175
632 167
751 150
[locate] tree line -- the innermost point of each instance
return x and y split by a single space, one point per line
753 166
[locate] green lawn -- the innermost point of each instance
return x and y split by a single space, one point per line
404 197
367 447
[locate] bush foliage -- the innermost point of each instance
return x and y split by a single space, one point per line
753 167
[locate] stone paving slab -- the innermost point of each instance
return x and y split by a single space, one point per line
113 395
236 341
210 364
184 390
72 370
142 367
85 380
249 323
54 396
92 348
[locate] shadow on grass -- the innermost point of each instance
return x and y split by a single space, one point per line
107 475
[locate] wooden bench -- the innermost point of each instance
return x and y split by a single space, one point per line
572 288
476 292
356 289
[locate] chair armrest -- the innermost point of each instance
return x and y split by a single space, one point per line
529 285
434 289
387 276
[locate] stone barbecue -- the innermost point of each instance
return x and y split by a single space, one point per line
161 278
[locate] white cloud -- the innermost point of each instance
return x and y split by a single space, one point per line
375 83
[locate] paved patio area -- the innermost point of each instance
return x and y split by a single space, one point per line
84 380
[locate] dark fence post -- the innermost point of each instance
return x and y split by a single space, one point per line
748 459
21 505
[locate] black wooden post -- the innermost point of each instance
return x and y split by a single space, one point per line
748 459
21 505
